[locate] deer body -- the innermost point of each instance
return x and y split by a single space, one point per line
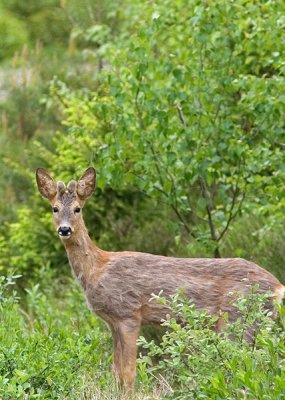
119 285
125 287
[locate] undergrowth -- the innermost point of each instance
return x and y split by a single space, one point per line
245 361
53 347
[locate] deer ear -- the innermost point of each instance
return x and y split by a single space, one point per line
46 185
86 184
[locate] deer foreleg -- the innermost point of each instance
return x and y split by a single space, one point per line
125 334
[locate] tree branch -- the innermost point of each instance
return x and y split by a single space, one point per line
232 214
181 115
209 208
174 205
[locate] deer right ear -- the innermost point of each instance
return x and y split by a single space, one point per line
46 185
86 184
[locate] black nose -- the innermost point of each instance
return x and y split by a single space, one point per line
64 231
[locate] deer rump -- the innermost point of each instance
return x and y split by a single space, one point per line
124 290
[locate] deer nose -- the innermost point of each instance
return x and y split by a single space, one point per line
64 231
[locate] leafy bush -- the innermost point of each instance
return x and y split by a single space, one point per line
196 126
50 25
48 346
253 238
31 248
198 363
29 7
13 35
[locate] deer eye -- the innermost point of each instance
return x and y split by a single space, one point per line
55 209
77 210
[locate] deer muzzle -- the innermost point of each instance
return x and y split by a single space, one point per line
64 231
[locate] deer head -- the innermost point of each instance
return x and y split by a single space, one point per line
66 201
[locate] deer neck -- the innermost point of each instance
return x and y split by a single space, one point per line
86 259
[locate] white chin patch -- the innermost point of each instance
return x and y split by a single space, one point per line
64 236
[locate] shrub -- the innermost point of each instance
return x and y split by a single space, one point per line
199 363
48 345
187 109
13 35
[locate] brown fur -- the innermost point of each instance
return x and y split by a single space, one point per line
119 285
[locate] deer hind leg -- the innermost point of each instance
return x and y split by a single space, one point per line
125 334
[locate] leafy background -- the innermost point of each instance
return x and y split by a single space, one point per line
179 105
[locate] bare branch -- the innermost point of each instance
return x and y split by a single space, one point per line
209 208
232 214
181 115
139 111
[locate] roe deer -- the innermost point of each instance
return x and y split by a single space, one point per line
119 285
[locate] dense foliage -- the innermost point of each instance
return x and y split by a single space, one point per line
53 348
199 363
50 345
189 114
179 105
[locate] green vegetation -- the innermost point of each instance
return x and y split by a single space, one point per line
199 363
54 348
50 345
179 105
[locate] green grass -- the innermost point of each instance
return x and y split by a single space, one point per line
53 347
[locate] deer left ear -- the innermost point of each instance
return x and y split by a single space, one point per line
86 184
46 185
